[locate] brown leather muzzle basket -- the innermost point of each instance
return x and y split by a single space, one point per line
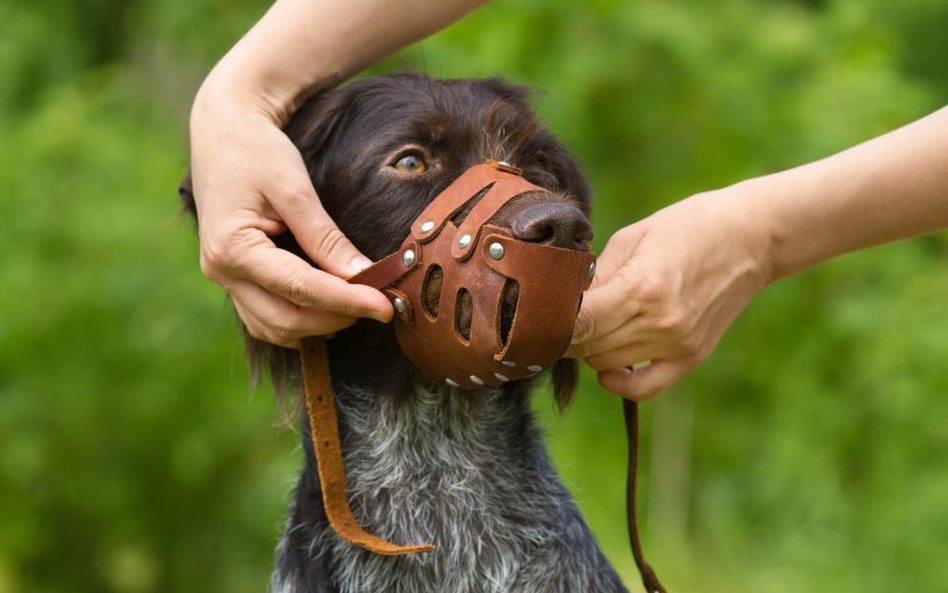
475 262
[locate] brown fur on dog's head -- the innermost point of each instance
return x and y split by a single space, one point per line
351 138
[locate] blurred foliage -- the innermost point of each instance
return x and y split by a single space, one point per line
807 454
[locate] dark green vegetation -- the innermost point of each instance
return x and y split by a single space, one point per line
808 454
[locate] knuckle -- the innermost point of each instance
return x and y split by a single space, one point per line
673 323
295 288
699 352
284 333
299 195
256 332
214 258
649 288
329 241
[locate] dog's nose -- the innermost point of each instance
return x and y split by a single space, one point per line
556 224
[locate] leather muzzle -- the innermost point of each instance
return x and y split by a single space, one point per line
475 263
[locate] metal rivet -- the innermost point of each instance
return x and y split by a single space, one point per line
496 250
427 226
534 368
592 269
508 363
408 258
451 383
476 380
503 378
400 305
464 241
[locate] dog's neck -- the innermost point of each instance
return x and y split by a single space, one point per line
466 471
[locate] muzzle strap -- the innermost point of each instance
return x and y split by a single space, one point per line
324 433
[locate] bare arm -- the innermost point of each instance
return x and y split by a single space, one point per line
249 180
669 286
889 188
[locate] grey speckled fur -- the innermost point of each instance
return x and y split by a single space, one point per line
464 470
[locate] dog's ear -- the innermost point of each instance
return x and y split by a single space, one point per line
565 376
314 122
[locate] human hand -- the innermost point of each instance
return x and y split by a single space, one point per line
667 287
250 184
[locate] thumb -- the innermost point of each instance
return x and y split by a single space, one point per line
605 308
318 235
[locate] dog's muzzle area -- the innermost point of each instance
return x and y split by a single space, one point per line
488 283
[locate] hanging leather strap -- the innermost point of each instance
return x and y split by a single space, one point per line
649 579
324 432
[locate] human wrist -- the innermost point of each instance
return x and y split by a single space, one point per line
752 229
227 93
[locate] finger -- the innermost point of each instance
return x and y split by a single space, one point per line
634 330
643 383
625 356
604 309
286 275
273 319
298 206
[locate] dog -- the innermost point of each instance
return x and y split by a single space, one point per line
465 470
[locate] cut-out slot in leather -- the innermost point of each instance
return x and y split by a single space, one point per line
463 311
508 308
458 216
431 291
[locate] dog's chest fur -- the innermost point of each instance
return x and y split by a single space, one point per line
465 471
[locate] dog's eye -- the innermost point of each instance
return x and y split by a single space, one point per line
411 163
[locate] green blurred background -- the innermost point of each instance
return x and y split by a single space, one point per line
808 454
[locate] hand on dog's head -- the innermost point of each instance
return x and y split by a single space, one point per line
379 150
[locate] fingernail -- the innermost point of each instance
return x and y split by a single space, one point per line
359 263
381 317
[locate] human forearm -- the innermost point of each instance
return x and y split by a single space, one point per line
892 187
301 46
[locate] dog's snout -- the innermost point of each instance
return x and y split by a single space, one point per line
556 224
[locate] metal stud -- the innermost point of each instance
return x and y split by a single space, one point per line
399 304
592 268
427 226
496 250
451 383
508 363
464 241
502 378
408 258
476 380
534 368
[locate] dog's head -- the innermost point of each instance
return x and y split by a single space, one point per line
379 150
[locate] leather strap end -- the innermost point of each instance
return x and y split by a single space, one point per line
324 432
